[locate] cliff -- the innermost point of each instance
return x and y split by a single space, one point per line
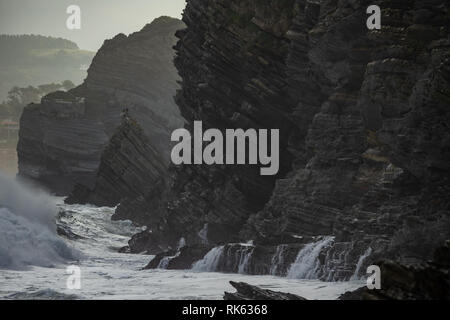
62 138
233 74
129 167
364 136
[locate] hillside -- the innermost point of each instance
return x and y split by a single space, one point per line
33 60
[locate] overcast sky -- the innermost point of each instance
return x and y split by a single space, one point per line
100 19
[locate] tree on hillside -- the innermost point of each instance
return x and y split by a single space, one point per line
19 97
67 85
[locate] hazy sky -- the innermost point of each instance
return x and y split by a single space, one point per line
100 19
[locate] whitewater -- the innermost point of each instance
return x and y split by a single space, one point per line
34 258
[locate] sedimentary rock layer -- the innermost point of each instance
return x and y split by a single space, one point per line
364 118
427 281
129 167
62 138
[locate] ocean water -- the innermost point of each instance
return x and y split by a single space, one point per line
108 274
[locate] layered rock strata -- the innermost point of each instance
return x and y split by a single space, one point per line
130 167
63 137
364 124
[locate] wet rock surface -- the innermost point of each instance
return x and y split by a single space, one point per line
184 258
230 258
245 291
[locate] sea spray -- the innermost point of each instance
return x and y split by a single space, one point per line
27 228
27 202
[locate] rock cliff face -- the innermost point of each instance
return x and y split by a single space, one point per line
376 175
62 138
129 167
364 118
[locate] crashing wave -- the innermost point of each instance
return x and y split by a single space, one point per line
28 230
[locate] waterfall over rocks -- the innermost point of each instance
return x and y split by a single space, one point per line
307 263
231 258
323 258
277 260
245 255
361 260
210 261
164 263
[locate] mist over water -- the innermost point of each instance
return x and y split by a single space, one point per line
28 229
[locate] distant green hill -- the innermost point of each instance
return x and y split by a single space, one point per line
32 60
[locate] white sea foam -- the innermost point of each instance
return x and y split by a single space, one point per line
27 228
108 274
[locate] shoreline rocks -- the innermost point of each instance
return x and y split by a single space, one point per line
401 281
245 291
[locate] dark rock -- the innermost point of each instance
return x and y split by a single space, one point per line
364 135
372 140
155 262
63 137
182 258
425 281
125 249
65 231
233 72
246 291
231 258
129 168
353 295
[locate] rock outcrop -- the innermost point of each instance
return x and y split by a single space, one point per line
245 291
364 118
130 167
426 281
375 176
232 62
63 137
